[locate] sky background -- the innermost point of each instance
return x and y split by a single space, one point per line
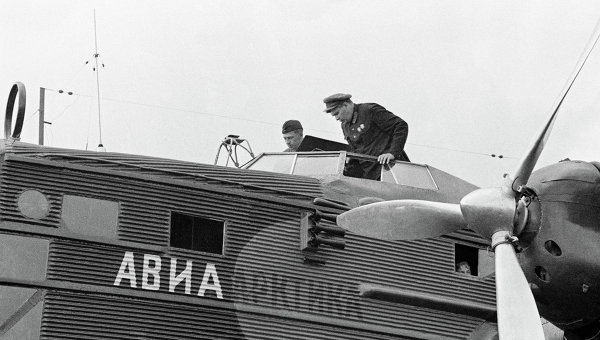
471 78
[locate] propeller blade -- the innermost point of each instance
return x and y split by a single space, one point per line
521 176
518 317
489 210
403 219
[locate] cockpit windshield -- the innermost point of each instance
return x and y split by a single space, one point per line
409 174
315 164
343 164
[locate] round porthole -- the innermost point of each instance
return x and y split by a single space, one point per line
33 204
542 274
552 248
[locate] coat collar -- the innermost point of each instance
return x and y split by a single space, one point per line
354 114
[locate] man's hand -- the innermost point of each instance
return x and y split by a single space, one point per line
385 158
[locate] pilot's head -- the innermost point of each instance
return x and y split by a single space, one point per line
292 134
339 106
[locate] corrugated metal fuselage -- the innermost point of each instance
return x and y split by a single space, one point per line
86 253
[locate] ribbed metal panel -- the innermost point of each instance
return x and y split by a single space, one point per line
141 219
469 237
15 182
252 181
262 265
268 271
89 316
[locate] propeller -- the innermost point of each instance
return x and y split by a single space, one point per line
403 220
489 211
518 317
492 212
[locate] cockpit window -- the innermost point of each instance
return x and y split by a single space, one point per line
325 163
281 163
316 165
305 164
409 174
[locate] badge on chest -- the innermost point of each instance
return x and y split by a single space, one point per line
355 131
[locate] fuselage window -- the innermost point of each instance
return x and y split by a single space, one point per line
197 233
473 261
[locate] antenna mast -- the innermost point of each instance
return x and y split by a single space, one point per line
96 55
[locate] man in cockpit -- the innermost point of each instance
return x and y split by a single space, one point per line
293 134
370 129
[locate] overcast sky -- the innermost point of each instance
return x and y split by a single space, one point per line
471 78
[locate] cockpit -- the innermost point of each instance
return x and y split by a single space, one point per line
321 164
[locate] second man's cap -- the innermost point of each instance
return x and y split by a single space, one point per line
335 100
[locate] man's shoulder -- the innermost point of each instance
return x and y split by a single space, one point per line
368 110
370 107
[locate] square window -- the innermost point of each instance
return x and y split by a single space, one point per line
466 259
197 233
473 260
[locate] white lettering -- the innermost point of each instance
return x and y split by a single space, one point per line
151 267
126 271
186 275
209 272
154 271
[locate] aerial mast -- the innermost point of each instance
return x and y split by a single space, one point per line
97 70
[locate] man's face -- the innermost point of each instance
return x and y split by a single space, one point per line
464 268
342 113
293 139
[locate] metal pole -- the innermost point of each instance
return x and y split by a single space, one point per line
41 114
97 79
